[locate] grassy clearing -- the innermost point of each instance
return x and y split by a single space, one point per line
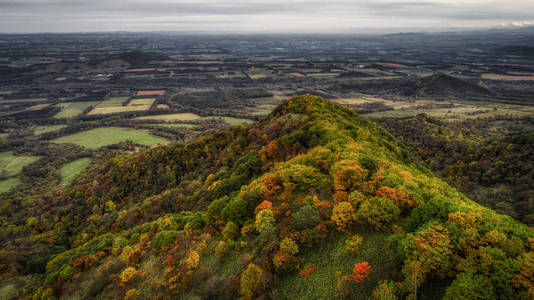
11 165
73 109
113 102
117 109
100 137
144 101
8 184
172 117
45 129
332 257
73 169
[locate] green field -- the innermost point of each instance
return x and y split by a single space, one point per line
73 109
175 125
69 171
7 184
144 101
45 129
112 102
22 100
11 165
100 137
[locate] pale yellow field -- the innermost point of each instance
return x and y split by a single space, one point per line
172 117
162 106
144 101
118 109
257 76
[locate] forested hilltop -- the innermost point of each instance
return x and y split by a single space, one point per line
311 202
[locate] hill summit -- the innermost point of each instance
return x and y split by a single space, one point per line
312 202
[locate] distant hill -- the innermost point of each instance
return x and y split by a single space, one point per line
441 85
139 58
312 202
515 50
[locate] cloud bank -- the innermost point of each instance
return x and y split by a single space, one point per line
308 16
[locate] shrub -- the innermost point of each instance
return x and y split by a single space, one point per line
250 281
131 294
470 286
360 272
352 245
344 285
525 278
308 270
164 239
216 207
385 290
195 221
513 247
221 249
264 220
435 209
289 247
192 260
235 210
129 275
306 217
466 220
342 214
378 212
310 237
230 231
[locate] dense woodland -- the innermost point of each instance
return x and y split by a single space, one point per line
313 201
489 159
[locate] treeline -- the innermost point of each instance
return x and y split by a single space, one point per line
496 170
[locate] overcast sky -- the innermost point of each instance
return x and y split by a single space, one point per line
308 16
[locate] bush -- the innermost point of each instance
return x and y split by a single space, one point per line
342 214
264 220
216 207
164 239
221 249
385 290
378 212
227 186
352 245
306 217
235 210
310 237
435 209
470 286
230 231
250 281
289 247
195 221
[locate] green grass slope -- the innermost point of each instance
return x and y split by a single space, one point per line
73 169
312 202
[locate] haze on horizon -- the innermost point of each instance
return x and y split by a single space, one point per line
259 16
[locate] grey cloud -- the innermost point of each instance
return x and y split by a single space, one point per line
24 15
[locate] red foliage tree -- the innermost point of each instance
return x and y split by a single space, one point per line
361 271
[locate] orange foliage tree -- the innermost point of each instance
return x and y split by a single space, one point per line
401 198
361 271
